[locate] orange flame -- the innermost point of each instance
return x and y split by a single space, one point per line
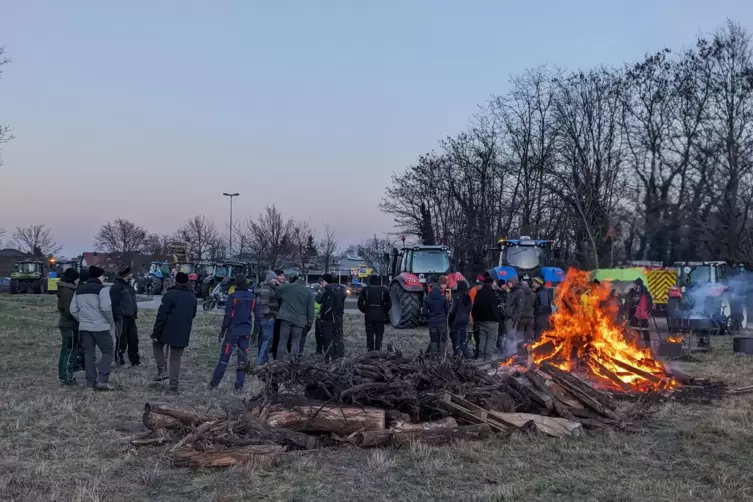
585 336
675 339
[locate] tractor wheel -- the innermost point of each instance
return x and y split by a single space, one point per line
36 287
138 286
406 308
14 286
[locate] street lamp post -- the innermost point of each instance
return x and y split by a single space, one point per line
230 243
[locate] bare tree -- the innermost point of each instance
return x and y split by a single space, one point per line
241 237
373 252
36 240
301 238
120 236
200 237
156 244
271 238
5 132
328 247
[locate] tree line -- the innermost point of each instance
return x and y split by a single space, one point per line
649 161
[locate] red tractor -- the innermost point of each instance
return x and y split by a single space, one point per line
412 271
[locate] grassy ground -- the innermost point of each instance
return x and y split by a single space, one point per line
67 444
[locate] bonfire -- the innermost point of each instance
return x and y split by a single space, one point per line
586 339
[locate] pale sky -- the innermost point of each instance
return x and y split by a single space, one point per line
149 110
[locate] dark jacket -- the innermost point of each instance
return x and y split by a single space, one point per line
375 303
485 308
460 309
633 301
123 298
297 304
501 295
65 295
514 306
436 308
542 307
242 313
332 300
529 298
268 303
175 317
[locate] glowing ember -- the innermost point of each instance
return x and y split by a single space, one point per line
674 339
585 337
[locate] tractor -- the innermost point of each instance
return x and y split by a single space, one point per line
58 268
152 281
412 270
182 264
215 273
28 278
526 258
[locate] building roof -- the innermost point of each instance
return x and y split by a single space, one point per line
13 253
102 260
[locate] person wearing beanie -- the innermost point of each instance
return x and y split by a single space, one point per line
269 307
436 308
542 307
172 329
92 308
296 316
242 317
501 293
375 303
486 313
281 279
458 318
68 326
332 305
125 311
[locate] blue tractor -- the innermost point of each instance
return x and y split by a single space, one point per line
526 258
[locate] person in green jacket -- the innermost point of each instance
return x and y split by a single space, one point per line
296 316
68 327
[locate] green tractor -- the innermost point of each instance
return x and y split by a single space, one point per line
28 278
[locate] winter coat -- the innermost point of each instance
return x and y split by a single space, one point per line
501 295
640 304
375 303
460 310
297 304
65 294
268 303
436 308
123 298
485 308
332 301
91 306
175 317
242 313
529 298
514 306
542 307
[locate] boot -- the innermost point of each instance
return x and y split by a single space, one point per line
161 375
120 360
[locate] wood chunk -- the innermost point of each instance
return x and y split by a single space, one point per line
578 389
552 426
434 436
637 371
447 422
340 420
541 385
220 456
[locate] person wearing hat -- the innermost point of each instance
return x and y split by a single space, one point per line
486 313
640 306
474 325
68 327
542 307
269 310
332 300
125 311
242 317
296 317
375 303
172 329
92 308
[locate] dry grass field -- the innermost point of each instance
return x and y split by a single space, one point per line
67 444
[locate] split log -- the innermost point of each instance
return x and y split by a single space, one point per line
544 400
220 456
582 391
632 369
540 384
444 423
158 416
435 436
552 426
342 421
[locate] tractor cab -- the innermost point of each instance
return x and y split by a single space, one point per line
696 273
159 269
29 268
28 278
57 268
526 258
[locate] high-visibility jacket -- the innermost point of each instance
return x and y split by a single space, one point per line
472 294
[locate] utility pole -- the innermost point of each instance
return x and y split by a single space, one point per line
230 243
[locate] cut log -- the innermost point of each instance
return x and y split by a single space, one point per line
163 416
154 421
341 420
435 436
581 391
219 456
552 426
609 375
469 412
541 385
445 423
632 369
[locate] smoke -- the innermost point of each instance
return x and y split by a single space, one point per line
511 342
729 298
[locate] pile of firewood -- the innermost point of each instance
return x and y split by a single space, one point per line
376 400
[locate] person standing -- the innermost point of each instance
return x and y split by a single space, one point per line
501 293
640 305
436 308
125 312
486 313
172 329
68 327
270 307
374 301
527 313
92 308
542 308
328 297
459 317
474 325
513 309
296 315
242 314
318 328
281 279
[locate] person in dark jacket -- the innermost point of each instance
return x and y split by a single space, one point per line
486 313
459 317
68 327
172 329
125 311
242 315
436 308
640 305
513 308
501 293
525 327
542 307
269 310
332 300
296 316
374 301
281 279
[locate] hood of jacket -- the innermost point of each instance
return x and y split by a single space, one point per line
65 285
